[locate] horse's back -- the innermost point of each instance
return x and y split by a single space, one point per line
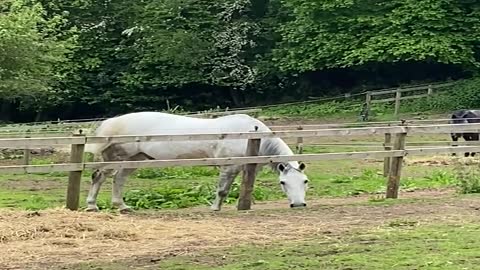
141 123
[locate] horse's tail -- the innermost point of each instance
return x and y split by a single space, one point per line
96 148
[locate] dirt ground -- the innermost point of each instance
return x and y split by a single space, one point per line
58 238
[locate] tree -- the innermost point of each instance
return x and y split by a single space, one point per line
352 33
30 52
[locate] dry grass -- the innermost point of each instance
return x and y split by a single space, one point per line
441 160
40 240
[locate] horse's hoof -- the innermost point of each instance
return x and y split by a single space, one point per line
215 208
126 210
92 209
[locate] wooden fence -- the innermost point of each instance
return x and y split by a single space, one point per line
399 94
392 154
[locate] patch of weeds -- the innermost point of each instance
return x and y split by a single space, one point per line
467 178
182 197
176 173
36 203
441 177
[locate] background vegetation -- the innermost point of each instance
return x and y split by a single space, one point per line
85 58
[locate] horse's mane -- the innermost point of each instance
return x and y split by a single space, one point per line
274 146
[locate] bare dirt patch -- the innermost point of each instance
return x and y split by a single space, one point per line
58 238
33 185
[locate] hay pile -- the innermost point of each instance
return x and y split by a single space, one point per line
59 237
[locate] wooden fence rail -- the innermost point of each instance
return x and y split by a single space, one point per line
392 156
426 129
399 94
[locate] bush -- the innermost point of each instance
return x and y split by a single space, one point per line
464 94
467 178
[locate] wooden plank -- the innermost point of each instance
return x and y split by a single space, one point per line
75 177
361 131
396 168
401 98
409 89
235 160
387 160
248 179
19 142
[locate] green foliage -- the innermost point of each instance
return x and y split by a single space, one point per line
91 58
339 34
172 196
30 51
464 94
468 178
176 173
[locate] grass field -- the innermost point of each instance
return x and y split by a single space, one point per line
347 225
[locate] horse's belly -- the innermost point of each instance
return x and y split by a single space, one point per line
178 150
193 149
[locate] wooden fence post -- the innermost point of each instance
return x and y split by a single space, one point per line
248 179
368 100
387 160
396 167
74 178
429 90
299 142
26 154
398 96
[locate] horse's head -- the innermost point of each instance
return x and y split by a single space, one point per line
458 117
294 183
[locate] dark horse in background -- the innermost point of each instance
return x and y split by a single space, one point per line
465 117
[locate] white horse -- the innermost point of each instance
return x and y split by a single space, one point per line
292 179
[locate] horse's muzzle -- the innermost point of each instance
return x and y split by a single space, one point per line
296 205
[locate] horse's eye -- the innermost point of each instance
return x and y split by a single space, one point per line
282 182
306 181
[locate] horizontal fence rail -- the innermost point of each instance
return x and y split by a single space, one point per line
426 129
68 167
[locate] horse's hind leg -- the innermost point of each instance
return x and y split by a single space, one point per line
227 175
117 189
119 181
468 138
474 137
98 177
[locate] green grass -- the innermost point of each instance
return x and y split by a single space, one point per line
400 244
186 187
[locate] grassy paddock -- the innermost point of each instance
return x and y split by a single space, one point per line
339 229
186 187
400 245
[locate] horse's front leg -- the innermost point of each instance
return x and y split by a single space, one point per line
455 140
227 175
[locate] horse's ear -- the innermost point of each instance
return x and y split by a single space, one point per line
281 167
302 166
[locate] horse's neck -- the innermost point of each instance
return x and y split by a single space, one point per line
274 147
